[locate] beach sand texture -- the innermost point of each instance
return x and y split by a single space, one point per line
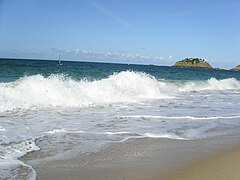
222 166
149 159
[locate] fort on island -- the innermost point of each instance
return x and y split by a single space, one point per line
193 63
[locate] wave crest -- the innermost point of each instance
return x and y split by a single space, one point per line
211 84
127 86
57 90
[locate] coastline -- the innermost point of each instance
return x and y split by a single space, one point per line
148 158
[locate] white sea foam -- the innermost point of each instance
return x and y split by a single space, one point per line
55 131
167 136
17 150
59 131
180 117
212 85
127 86
118 133
9 155
2 129
38 91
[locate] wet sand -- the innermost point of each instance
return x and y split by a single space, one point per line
148 158
222 166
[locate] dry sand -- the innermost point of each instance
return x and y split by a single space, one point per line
147 158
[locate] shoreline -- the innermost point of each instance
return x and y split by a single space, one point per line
145 158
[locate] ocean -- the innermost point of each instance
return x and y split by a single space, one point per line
81 107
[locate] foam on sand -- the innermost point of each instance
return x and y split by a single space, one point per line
9 163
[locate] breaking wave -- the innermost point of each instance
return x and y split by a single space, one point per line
211 85
38 91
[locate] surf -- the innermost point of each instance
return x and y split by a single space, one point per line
57 90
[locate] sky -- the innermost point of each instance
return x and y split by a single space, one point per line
157 32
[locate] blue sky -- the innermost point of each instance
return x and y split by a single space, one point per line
129 31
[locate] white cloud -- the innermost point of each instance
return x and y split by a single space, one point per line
170 57
120 56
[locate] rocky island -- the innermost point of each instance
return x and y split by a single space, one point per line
193 63
237 68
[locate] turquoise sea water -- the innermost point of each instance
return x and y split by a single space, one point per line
81 107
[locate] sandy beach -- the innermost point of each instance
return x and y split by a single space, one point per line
224 165
148 158
119 90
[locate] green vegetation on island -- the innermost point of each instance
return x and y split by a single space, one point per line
193 63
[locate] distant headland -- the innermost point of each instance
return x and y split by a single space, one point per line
193 63
237 68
